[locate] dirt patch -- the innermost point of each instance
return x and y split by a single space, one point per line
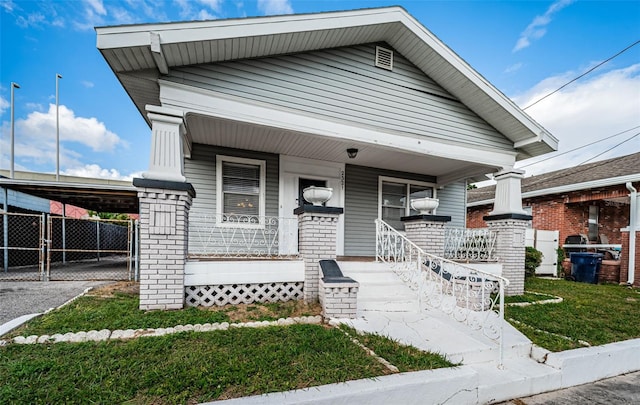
251 312
121 287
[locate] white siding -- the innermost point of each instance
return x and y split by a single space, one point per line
344 84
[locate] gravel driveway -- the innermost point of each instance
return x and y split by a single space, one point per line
19 298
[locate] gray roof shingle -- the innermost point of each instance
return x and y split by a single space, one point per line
604 169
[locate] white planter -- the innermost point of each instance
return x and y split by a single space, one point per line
425 205
317 195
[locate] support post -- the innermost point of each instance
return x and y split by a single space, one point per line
5 229
510 222
164 238
427 231
317 228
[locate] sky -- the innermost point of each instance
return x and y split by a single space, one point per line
526 49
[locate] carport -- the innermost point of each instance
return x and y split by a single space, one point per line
44 246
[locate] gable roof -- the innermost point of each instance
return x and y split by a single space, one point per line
597 174
139 54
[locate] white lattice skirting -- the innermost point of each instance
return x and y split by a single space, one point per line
209 295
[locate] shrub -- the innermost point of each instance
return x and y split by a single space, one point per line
532 259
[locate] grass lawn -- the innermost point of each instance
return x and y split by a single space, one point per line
595 314
188 367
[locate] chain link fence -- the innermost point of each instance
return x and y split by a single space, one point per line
23 250
46 247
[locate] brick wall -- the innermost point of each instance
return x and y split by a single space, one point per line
163 247
316 241
569 213
510 251
339 300
428 235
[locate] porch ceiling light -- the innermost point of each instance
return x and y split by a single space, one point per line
352 153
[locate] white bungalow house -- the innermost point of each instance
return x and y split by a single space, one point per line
246 113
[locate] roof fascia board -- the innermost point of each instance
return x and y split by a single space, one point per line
44 183
613 181
206 102
128 36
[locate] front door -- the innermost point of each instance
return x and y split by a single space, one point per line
296 174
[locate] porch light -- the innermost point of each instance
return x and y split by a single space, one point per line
352 153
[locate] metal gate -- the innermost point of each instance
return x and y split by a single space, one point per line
46 247
89 249
23 246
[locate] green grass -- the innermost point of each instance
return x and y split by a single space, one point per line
528 297
406 358
119 311
183 368
188 367
597 314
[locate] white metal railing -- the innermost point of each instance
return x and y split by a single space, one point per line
470 296
478 245
242 236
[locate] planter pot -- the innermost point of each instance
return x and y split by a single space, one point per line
425 205
317 195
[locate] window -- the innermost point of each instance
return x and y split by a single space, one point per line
593 223
240 190
395 198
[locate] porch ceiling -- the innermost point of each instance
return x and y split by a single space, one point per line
241 135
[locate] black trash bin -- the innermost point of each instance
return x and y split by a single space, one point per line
585 267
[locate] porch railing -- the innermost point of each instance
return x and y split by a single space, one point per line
470 296
477 245
242 236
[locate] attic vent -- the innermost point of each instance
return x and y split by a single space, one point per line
384 58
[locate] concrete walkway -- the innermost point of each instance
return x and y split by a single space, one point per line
621 390
22 300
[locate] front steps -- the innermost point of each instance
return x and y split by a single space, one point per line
386 306
380 289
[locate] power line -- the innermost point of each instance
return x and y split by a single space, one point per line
613 147
583 146
584 74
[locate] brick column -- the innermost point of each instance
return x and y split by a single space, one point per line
317 227
427 231
164 238
510 249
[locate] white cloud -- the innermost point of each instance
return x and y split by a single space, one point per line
35 106
97 6
8 5
97 172
4 105
587 111
190 9
513 68
86 131
87 84
270 7
31 20
537 28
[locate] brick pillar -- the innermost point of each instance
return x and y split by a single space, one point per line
164 238
317 228
427 231
510 249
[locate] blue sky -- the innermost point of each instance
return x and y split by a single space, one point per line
525 48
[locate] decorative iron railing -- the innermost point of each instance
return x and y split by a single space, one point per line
242 236
470 296
477 245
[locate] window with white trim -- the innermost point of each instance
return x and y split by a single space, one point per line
240 189
395 197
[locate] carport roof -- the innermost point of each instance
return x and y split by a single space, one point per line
95 195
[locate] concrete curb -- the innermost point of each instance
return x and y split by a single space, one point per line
21 320
471 384
14 323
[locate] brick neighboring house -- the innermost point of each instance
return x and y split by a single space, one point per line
591 199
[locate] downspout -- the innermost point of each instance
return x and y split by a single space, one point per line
633 227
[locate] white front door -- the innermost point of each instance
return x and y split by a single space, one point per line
295 171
